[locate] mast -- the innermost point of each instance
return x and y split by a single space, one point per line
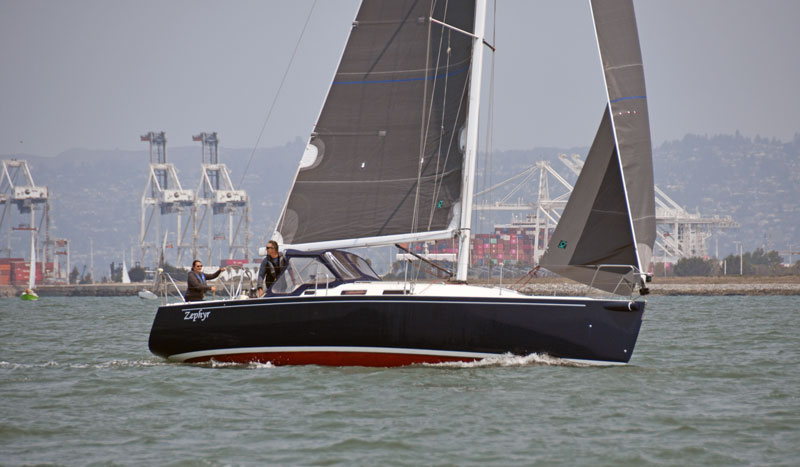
32 269
468 186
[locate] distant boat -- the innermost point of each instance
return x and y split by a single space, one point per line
29 294
126 279
145 294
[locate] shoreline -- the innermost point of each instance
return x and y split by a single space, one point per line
574 289
545 286
77 290
674 286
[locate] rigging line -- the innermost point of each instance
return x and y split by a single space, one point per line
465 89
422 125
453 133
488 155
424 120
427 117
437 185
278 93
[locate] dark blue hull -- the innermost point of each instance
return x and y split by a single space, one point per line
391 331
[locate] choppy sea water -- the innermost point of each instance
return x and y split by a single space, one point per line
713 381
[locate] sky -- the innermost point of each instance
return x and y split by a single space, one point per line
97 74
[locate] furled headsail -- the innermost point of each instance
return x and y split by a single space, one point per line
384 163
605 235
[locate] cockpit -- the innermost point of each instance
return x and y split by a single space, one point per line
320 270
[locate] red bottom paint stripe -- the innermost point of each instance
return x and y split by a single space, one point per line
331 358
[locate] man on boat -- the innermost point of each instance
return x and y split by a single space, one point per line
271 267
196 282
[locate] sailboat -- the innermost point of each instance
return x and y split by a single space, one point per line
150 294
144 293
392 160
29 294
126 279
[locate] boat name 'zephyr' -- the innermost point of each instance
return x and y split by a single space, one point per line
194 316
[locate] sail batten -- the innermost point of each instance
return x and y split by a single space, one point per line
401 80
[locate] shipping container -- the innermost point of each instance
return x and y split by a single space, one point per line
11 260
20 278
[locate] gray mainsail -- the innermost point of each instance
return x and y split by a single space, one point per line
385 158
608 226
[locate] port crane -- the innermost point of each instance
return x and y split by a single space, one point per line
217 197
163 195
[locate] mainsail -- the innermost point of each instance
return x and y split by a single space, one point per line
605 235
32 273
126 278
384 162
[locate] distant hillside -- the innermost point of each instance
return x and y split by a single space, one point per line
97 194
756 181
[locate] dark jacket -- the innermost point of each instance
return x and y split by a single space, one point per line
268 273
197 287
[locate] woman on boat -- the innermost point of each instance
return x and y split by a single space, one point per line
197 286
271 267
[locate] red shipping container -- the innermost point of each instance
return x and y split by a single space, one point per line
11 260
20 277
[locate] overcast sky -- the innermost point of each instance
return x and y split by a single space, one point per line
97 74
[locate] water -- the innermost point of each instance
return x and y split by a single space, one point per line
713 381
